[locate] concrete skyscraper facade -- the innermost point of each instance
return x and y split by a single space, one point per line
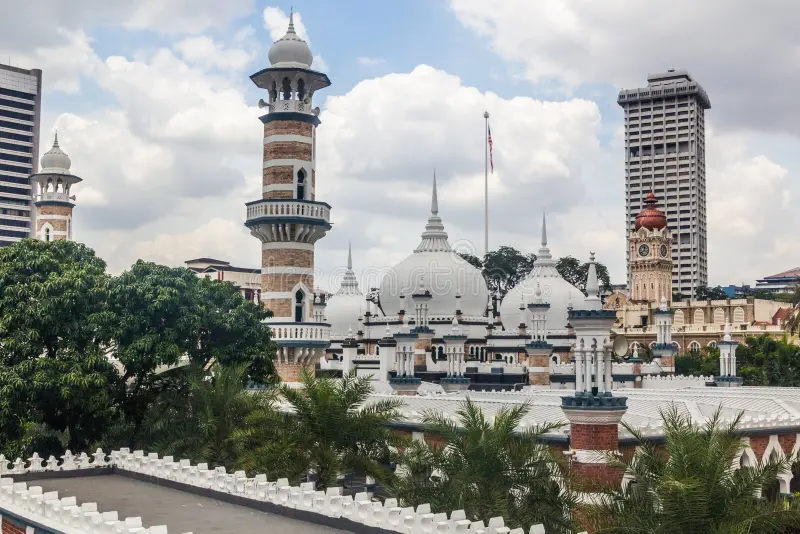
20 102
665 154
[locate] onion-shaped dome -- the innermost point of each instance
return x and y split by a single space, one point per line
543 284
55 160
435 267
343 309
651 217
290 50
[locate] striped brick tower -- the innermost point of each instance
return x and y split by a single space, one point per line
53 202
287 219
593 412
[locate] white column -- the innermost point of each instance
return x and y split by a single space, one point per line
598 366
588 381
579 366
609 378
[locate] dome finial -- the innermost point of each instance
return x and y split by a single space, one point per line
592 286
55 141
350 256
291 20
544 228
434 196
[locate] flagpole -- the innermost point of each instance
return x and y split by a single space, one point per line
486 184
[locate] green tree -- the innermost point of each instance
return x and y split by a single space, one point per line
576 273
162 314
331 428
690 486
473 260
709 293
505 267
488 469
199 420
52 366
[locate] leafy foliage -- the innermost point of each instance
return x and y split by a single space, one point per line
199 421
331 428
487 469
691 486
709 293
576 273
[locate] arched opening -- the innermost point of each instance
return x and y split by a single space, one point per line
678 317
299 306
286 89
719 316
472 352
699 317
274 91
47 235
738 316
301 184
440 353
301 89
377 350
694 347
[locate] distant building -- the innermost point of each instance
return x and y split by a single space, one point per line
784 282
665 154
245 278
20 103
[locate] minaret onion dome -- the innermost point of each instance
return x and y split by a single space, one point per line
290 50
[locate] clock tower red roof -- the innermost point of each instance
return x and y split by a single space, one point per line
651 217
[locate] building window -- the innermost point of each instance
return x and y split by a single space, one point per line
299 305
47 236
301 184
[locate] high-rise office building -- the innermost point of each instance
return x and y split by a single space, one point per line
665 154
20 102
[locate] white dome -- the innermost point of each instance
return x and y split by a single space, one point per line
345 307
435 267
290 50
55 161
556 291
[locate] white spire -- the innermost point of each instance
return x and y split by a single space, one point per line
727 332
434 238
544 229
544 257
349 282
592 299
434 196
663 306
537 294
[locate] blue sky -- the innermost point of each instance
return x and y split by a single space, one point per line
155 107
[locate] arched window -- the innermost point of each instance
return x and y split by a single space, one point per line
47 236
301 184
274 91
712 344
301 89
738 316
678 318
719 316
286 89
377 350
699 317
694 346
441 353
299 305
472 352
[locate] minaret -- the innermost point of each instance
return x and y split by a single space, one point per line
538 349
288 220
53 202
664 351
727 360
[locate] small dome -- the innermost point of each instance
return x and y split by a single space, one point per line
290 50
345 307
651 217
55 161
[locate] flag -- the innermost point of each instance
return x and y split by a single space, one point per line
491 159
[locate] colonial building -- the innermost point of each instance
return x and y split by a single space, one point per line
650 253
52 199
245 278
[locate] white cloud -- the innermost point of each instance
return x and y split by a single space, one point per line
370 61
204 51
743 53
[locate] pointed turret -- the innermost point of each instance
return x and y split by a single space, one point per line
434 238
592 300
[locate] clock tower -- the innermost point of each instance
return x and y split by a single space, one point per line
650 252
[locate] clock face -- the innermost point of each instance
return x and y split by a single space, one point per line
663 251
644 250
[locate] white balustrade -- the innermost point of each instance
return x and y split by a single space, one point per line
301 332
288 208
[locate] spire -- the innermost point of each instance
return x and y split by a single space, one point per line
544 257
544 229
291 20
592 299
434 197
727 332
349 256
434 238
663 306
55 141
349 282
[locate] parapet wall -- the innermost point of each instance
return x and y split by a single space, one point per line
49 514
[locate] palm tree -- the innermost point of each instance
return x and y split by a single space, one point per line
327 427
693 484
488 469
198 421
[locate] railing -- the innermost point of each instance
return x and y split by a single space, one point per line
301 332
702 328
288 208
51 195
